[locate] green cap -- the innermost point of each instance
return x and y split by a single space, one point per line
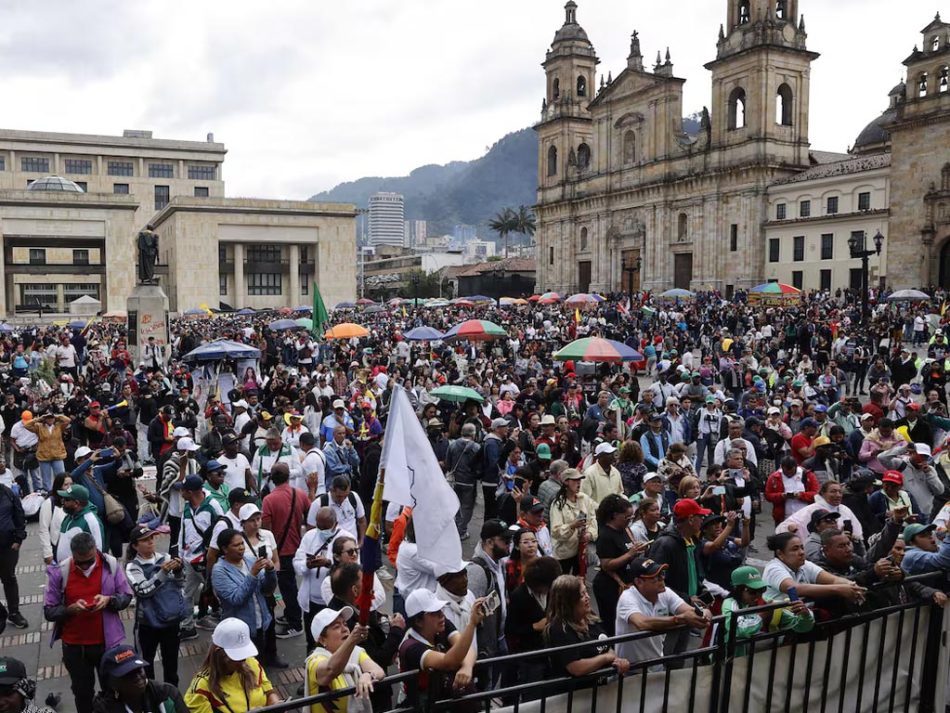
543 450
75 492
911 531
747 577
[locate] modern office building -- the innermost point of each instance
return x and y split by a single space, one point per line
416 233
387 225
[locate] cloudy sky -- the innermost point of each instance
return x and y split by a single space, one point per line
308 93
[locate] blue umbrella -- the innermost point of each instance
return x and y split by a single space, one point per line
423 334
6 328
246 311
303 308
479 298
222 349
282 324
77 324
194 311
345 305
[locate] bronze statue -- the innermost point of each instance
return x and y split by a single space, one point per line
148 256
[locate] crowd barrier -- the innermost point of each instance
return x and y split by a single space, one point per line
890 659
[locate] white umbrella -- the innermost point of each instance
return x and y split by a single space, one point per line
908 296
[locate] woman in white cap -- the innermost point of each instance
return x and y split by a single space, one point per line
230 677
261 543
338 662
51 517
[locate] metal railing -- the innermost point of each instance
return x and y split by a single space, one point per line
719 676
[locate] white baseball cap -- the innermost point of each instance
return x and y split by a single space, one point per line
181 432
922 449
327 616
652 476
422 600
443 569
82 451
248 511
604 448
186 444
241 403
339 404
234 637
774 410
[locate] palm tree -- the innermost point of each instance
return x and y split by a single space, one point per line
527 223
503 223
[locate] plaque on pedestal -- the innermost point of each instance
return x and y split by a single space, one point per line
148 318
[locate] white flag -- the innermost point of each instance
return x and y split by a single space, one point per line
413 477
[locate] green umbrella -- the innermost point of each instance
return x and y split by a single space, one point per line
305 322
457 394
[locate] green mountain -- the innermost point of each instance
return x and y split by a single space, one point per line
464 192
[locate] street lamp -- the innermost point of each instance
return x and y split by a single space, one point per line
631 269
857 244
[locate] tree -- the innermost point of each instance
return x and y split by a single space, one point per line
503 223
526 223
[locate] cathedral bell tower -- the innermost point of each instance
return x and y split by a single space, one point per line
564 131
761 80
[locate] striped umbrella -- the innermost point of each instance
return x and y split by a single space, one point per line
775 288
597 349
476 330
582 298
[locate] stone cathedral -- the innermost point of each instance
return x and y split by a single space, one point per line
626 197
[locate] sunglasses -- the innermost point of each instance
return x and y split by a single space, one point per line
83 564
350 551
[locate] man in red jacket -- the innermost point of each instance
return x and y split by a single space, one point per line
790 488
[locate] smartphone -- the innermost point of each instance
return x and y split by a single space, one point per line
847 527
106 452
262 551
492 602
509 484
792 593
719 490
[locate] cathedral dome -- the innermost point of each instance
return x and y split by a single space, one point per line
571 31
54 183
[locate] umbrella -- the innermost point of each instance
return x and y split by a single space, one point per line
433 304
775 288
345 305
303 308
246 311
77 324
457 394
511 301
195 311
463 303
6 327
282 324
423 334
375 309
476 330
677 294
305 322
581 298
346 330
479 298
534 298
365 301
222 349
908 296
597 349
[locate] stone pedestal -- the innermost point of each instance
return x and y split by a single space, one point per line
148 317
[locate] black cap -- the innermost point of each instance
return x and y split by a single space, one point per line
12 671
819 515
710 519
645 567
494 528
240 495
531 504
120 661
140 532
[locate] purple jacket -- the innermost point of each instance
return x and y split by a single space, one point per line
114 585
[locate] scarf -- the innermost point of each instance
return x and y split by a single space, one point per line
461 607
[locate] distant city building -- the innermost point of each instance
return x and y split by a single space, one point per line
415 233
479 250
464 233
387 225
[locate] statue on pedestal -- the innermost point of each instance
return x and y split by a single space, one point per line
148 256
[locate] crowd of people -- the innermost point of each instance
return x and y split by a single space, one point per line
616 497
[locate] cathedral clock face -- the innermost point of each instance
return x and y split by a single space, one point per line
788 32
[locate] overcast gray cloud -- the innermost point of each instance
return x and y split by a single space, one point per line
307 93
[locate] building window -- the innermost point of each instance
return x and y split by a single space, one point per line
780 9
201 191
550 256
3 164
737 109
76 290
745 12
828 246
304 254
222 284
263 253
824 280
583 157
775 249
222 253
83 185
797 279
804 209
942 86
552 161
556 88
682 227
81 166
32 295
832 206
629 147
922 85
37 256
80 257
864 201
162 196
783 106
733 237
780 211
583 247
199 172
798 248
304 287
161 170
122 188
34 164
581 87
264 283
119 168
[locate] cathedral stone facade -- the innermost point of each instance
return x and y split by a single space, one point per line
627 198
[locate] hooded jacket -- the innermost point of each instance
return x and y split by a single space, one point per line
670 548
86 520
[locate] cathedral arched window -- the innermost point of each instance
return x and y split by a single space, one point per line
737 108
556 88
781 9
745 12
935 43
922 85
581 87
552 161
682 230
783 106
583 157
943 84
629 147
583 246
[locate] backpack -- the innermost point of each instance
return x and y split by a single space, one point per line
324 500
167 606
209 531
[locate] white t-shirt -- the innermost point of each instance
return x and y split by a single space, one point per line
232 521
346 514
235 470
776 572
632 602
314 462
266 538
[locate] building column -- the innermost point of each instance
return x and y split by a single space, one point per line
60 298
4 280
240 289
294 275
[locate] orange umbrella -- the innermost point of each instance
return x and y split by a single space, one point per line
346 330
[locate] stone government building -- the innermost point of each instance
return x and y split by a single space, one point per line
746 198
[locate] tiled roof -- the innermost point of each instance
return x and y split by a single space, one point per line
512 264
840 168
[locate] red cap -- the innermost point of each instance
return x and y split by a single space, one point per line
367 404
95 404
893 476
913 406
687 507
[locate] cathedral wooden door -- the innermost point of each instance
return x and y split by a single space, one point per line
682 270
583 276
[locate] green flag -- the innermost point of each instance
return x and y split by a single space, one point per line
320 316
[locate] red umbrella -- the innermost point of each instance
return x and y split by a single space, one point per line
364 301
534 298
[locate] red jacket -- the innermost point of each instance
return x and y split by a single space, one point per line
775 492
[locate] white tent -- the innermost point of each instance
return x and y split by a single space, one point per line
85 306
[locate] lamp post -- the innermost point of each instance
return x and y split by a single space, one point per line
857 244
631 269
